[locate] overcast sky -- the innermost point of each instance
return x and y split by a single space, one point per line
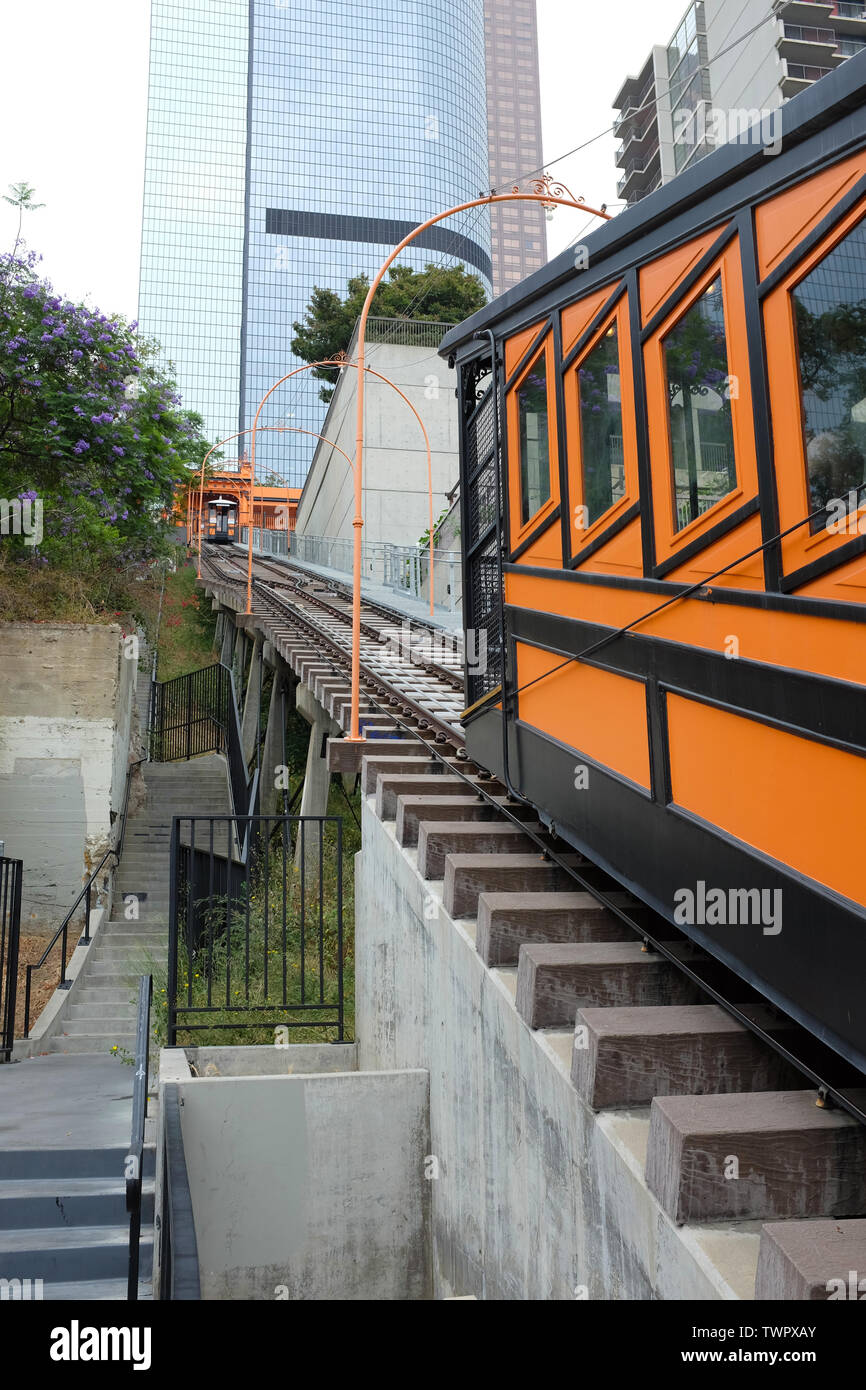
73 102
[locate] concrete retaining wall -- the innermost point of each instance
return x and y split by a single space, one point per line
66 711
537 1197
396 495
321 1191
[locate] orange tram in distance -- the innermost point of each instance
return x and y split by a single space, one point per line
225 506
663 491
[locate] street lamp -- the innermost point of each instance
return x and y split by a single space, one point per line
550 195
278 429
339 361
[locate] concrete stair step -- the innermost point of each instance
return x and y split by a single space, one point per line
553 981
469 875
627 1056
506 921
390 786
98 1022
90 994
413 808
437 839
94 1291
91 1042
57 1254
805 1261
107 974
47 1202
767 1156
373 765
63 1165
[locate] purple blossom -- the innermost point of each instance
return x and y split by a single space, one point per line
80 446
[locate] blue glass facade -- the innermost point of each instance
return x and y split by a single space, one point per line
360 118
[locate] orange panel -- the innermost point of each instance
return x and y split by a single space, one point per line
846 582
577 316
783 221
592 711
747 575
825 646
515 347
546 551
791 798
660 278
621 555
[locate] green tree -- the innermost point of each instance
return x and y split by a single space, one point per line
91 430
433 294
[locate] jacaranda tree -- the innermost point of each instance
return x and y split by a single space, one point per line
90 426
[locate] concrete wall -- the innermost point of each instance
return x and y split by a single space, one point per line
66 711
309 1186
537 1197
396 499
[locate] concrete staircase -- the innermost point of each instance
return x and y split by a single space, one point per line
63 1221
104 1012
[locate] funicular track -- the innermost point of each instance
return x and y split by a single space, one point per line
664 1018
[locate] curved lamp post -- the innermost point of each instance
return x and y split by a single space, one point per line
279 429
338 361
549 194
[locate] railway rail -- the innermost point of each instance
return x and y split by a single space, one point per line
416 764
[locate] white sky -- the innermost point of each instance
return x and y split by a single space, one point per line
73 105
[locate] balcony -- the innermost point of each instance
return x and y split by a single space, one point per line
796 77
849 20
632 106
640 175
805 11
808 45
637 137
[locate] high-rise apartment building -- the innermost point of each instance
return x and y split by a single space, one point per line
291 144
729 63
514 135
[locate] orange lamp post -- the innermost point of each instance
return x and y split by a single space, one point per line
550 195
338 361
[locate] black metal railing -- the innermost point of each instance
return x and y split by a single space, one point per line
135 1157
190 714
85 897
11 873
198 713
178 1248
255 926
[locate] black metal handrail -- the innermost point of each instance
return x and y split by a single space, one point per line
135 1157
11 874
198 713
178 1252
85 896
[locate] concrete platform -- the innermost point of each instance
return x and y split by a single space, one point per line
65 1102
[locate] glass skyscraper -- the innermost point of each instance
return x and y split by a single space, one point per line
292 143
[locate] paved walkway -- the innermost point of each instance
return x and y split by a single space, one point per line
65 1102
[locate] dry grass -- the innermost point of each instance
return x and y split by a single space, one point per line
46 980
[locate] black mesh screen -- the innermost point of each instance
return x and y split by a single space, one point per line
483 593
